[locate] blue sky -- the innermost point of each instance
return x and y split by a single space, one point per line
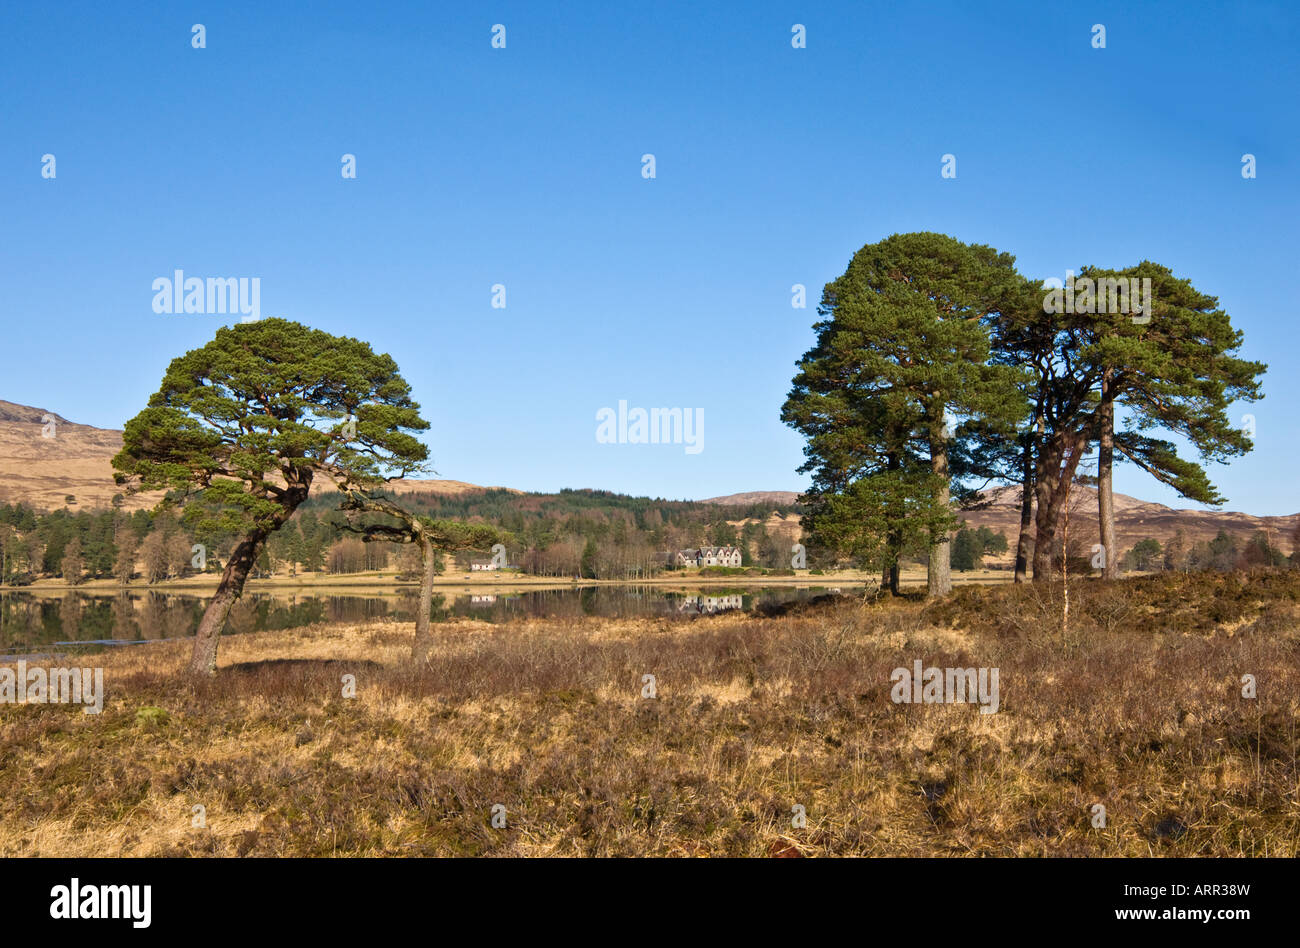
522 166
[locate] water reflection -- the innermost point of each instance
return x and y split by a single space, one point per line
710 604
30 622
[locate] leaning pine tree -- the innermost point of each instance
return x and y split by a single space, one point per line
1177 370
245 424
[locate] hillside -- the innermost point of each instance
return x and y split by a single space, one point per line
41 464
418 487
1134 520
777 498
76 461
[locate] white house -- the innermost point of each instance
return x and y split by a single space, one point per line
708 556
719 556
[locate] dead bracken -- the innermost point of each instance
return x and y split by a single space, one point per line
751 716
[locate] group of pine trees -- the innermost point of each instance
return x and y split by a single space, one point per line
1223 552
969 547
938 369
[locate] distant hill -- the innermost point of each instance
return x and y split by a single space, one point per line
1134 520
77 459
778 498
41 464
432 486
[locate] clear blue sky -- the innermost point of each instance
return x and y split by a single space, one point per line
522 166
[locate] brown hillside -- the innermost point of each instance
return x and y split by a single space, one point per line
42 471
1134 520
433 486
77 460
774 497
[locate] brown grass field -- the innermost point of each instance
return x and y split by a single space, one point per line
1137 706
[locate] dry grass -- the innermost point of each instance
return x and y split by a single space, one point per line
1139 708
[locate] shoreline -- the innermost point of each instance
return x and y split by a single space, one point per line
375 582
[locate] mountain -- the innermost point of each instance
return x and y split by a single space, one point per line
777 498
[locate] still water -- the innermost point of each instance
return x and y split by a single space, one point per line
33 623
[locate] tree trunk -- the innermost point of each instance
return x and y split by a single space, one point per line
423 637
889 570
893 540
1105 464
1025 542
1052 492
1046 471
939 568
1065 576
203 659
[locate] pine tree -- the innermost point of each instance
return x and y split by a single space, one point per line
1175 557
901 353
587 566
249 420
1176 371
967 551
432 537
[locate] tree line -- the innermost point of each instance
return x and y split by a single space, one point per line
591 534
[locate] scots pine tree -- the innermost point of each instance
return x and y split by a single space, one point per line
245 424
901 358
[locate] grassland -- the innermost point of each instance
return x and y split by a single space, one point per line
1136 705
